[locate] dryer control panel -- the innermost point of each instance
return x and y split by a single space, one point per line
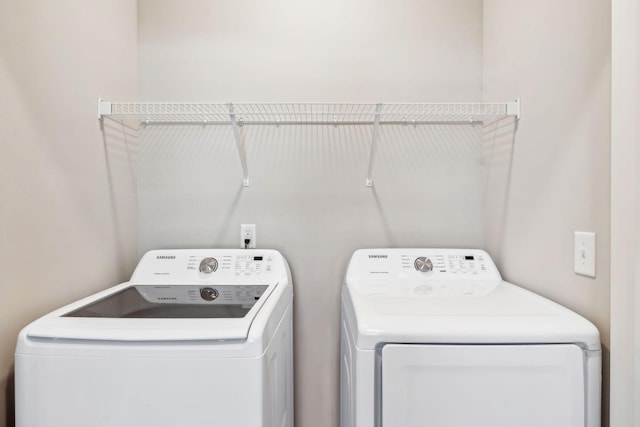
423 271
465 263
425 263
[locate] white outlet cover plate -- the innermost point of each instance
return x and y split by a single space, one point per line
248 230
585 253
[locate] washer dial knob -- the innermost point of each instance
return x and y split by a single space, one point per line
208 294
208 265
423 264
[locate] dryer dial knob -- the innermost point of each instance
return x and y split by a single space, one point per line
208 265
208 294
423 264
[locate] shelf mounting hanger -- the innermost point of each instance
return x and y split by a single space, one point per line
374 140
239 137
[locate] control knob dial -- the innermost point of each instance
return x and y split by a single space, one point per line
208 294
423 264
208 265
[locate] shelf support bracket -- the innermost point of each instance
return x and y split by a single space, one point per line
104 108
513 108
239 144
374 140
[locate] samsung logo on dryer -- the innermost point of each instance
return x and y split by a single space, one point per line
165 257
378 256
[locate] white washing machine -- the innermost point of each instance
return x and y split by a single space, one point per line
196 338
435 337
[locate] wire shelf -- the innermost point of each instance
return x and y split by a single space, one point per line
307 113
240 114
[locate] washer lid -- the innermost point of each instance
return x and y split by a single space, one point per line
130 312
175 302
178 295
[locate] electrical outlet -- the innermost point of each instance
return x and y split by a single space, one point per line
247 233
585 253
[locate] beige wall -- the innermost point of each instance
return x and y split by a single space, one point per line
67 207
625 214
307 193
68 200
555 179
286 50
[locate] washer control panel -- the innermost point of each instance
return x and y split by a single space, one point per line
211 266
239 265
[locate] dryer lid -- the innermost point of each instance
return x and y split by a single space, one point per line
450 296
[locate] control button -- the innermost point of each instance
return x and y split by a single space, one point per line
423 264
208 294
208 265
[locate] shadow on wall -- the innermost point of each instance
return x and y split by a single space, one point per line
498 139
120 142
311 177
10 399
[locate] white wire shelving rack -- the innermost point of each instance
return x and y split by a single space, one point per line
238 115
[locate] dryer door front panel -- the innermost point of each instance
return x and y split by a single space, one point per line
482 386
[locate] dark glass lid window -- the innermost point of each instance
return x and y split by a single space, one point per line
129 303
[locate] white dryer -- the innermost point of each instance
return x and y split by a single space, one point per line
196 338
435 337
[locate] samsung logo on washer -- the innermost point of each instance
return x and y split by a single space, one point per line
166 257
378 256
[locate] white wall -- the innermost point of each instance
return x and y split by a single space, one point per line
67 216
555 179
625 214
307 193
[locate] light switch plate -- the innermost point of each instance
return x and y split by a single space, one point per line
585 253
